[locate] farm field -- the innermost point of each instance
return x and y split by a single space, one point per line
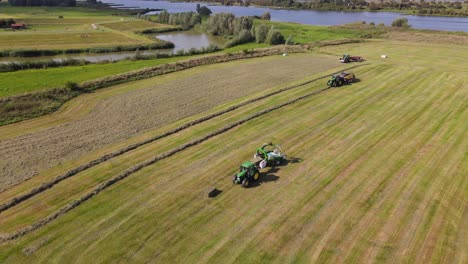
376 170
70 28
139 106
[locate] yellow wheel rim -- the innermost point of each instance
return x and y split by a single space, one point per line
256 176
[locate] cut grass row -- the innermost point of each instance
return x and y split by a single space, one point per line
71 173
190 91
106 170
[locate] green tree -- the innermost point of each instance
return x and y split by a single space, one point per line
401 22
266 16
274 37
261 32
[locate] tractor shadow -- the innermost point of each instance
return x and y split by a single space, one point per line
289 160
356 80
270 175
265 177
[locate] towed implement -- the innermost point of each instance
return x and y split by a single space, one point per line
271 153
347 58
341 79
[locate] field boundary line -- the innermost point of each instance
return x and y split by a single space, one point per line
101 187
47 185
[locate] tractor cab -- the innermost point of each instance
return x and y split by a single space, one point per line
345 58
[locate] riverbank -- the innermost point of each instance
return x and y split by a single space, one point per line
447 9
312 17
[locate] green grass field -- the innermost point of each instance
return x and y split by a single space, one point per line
14 83
65 28
33 80
308 33
376 173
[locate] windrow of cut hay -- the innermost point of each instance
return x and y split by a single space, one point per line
47 185
101 187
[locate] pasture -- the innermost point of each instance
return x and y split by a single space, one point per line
71 28
376 170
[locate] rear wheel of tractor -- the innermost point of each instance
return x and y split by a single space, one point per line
234 179
245 183
256 176
278 162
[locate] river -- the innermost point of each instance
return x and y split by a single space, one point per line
311 17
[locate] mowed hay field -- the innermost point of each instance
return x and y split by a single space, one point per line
111 115
376 173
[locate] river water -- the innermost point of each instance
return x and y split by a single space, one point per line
311 17
183 40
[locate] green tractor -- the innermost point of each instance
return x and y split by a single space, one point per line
267 155
346 58
249 172
341 78
271 153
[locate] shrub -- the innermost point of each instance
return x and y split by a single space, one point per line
261 32
289 40
274 37
203 11
401 22
266 16
72 86
243 37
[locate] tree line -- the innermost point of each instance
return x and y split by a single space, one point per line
418 7
42 2
242 30
184 20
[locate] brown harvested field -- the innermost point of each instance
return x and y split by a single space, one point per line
140 106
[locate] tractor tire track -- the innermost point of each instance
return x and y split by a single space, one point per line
101 187
47 185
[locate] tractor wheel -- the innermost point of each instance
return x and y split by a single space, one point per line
278 162
245 182
256 176
234 179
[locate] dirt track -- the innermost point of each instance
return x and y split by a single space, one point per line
125 115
